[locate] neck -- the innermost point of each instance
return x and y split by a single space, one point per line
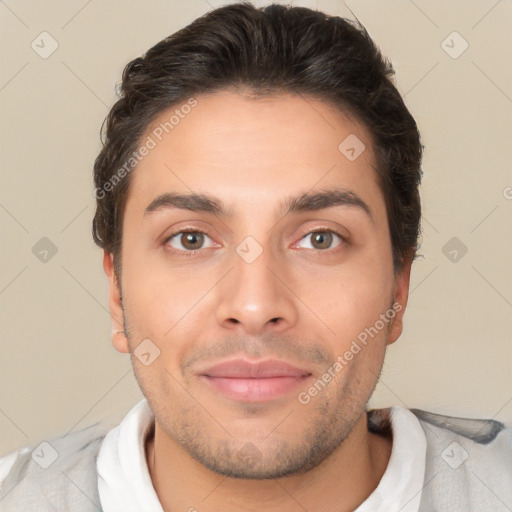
341 482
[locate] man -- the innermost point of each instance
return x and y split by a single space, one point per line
258 207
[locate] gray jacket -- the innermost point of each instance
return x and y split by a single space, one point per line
468 469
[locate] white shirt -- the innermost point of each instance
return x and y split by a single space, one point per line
125 485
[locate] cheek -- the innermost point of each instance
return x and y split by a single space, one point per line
156 289
353 306
354 297
167 306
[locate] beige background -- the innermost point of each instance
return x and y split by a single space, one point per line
58 370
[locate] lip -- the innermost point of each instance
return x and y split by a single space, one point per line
257 381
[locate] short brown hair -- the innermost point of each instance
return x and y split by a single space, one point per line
270 50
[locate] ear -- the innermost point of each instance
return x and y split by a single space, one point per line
119 340
401 295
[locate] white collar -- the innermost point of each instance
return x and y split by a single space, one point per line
401 484
125 485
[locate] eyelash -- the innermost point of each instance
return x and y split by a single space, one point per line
344 240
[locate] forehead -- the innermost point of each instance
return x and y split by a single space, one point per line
247 150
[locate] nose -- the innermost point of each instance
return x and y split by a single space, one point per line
256 298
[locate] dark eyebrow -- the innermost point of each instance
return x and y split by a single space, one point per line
302 203
325 199
194 202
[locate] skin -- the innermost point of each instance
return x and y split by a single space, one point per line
301 301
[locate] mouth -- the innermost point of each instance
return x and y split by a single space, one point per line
261 381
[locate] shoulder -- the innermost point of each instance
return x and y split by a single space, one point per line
59 474
468 463
481 431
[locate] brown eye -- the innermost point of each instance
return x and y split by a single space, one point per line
192 241
187 241
322 240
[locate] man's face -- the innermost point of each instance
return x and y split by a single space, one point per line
261 284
